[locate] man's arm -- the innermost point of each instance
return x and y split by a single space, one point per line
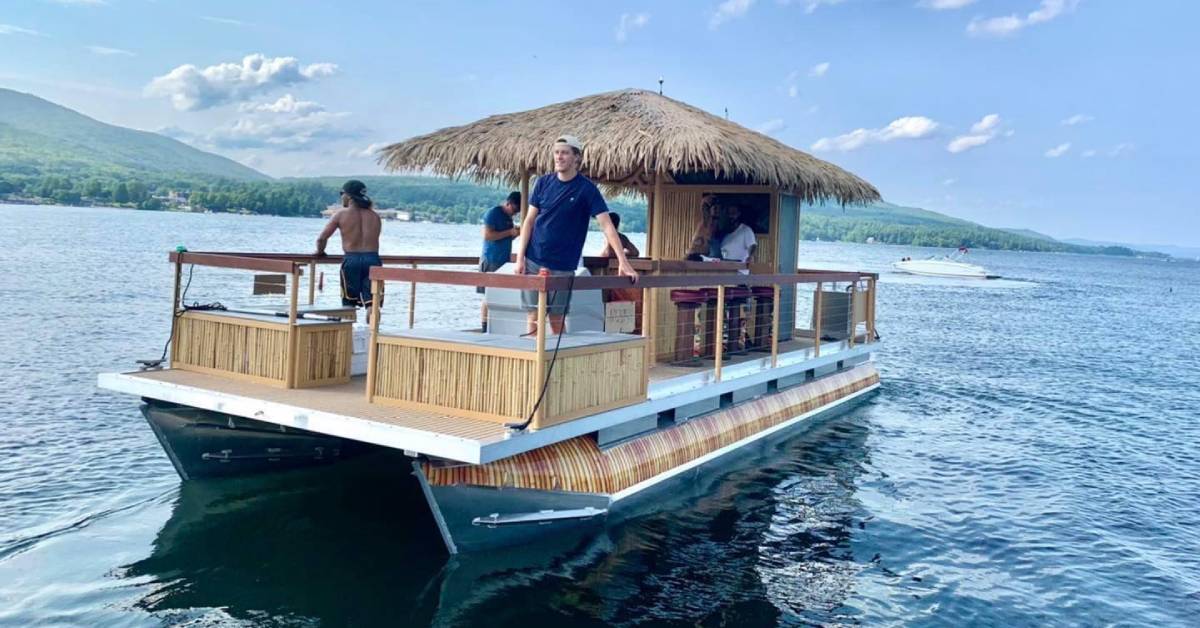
326 233
526 233
614 242
492 235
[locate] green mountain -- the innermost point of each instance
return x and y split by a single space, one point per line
40 138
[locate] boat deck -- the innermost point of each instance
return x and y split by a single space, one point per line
342 409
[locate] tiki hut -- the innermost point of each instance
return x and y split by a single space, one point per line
644 143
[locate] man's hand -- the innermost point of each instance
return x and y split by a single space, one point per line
515 231
320 253
624 268
519 267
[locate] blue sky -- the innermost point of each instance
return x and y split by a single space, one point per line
1075 118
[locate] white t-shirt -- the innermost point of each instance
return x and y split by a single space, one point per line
736 245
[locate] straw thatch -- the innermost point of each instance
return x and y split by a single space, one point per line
628 136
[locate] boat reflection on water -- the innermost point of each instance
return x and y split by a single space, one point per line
353 544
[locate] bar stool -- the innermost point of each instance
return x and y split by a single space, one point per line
686 303
735 298
764 308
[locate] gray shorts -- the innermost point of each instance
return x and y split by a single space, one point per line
487 267
557 301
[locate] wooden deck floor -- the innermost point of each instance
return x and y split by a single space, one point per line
346 399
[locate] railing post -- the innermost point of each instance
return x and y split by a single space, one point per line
293 335
648 354
412 301
312 282
774 328
175 306
720 331
853 322
871 309
540 357
373 348
817 315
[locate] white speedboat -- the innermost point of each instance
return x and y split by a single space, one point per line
944 266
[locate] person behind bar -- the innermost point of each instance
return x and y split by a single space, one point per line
360 227
630 249
498 234
555 226
705 242
739 244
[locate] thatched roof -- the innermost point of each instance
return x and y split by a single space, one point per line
628 136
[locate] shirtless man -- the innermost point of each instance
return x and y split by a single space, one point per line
360 228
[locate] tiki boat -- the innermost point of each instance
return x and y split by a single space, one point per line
650 385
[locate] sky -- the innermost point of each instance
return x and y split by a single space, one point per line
1075 118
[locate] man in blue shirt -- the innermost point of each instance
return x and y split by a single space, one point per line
555 226
498 234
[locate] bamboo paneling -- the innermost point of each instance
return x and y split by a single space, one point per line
501 385
579 465
237 347
257 350
323 355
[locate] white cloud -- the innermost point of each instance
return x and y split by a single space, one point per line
793 91
9 29
108 52
368 152
629 22
1088 154
771 127
981 133
812 5
967 142
949 182
192 89
286 104
986 124
224 20
944 5
909 127
1120 149
819 70
1059 151
284 125
80 3
729 10
1008 24
1078 118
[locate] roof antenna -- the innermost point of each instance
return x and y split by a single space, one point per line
660 82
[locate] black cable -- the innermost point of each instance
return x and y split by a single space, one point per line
520 427
178 313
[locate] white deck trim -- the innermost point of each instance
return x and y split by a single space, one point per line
666 475
345 426
664 395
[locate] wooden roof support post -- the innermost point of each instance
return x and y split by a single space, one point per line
655 200
720 331
539 380
293 332
817 315
373 348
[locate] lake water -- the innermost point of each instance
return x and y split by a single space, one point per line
1032 458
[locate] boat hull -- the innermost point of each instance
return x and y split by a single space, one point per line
574 487
950 270
205 444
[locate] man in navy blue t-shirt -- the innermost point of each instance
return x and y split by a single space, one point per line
555 226
498 234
